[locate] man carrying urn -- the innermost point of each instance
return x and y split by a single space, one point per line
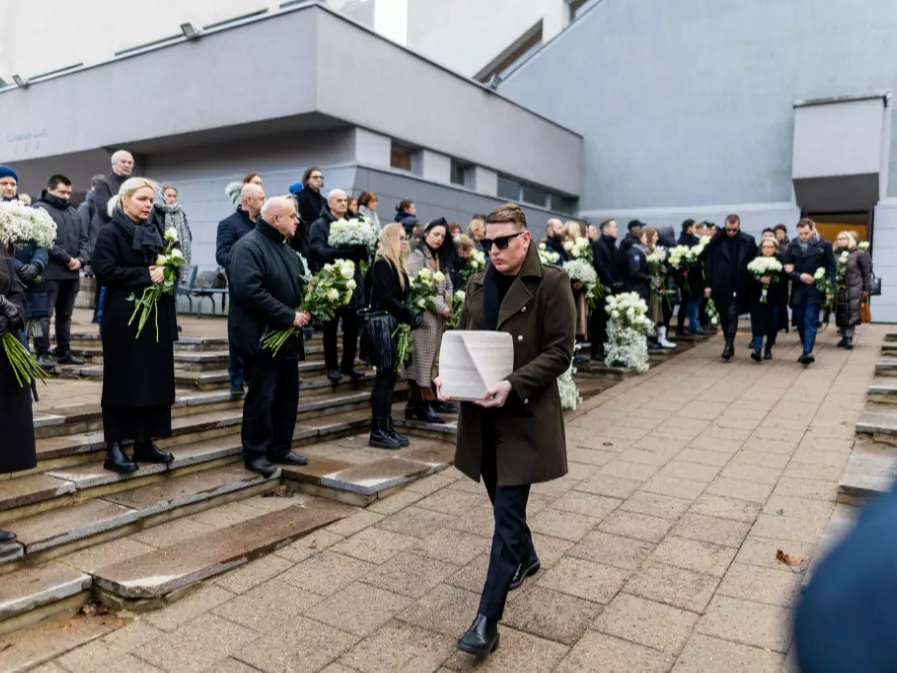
514 437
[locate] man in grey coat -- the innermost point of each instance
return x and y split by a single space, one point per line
91 220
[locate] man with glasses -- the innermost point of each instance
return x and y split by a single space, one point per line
514 436
311 205
727 278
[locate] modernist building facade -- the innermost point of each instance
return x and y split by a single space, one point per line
274 94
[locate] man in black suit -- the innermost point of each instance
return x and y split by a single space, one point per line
727 277
803 258
603 257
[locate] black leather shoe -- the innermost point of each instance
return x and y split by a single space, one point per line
68 359
767 354
848 343
430 415
150 453
842 343
6 536
525 571
380 437
262 466
445 408
334 376
353 374
807 359
422 411
481 638
728 352
236 388
289 458
756 356
46 363
401 439
117 460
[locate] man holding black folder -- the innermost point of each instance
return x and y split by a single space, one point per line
514 437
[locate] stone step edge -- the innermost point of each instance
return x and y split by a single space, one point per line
29 589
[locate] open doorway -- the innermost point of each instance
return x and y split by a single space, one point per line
829 225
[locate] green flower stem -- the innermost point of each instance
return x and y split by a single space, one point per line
24 366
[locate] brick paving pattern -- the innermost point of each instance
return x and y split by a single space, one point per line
658 549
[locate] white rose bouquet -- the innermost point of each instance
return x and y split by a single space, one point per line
864 246
581 248
824 285
170 259
457 304
348 233
473 264
841 272
547 256
657 269
583 271
765 267
627 343
327 291
422 290
23 224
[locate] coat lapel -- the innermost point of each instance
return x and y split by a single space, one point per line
519 294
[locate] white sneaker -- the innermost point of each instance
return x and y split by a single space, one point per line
662 338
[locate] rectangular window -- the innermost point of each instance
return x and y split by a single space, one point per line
580 7
400 157
535 196
460 173
508 189
562 204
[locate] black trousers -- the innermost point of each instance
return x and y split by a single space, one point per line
728 319
351 322
512 541
270 407
599 331
61 296
383 392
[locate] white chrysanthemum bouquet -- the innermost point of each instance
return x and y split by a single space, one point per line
569 391
765 267
581 248
170 259
583 271
347 233
23 224
627 343
657 269
473 264
422 291
547 256
327 291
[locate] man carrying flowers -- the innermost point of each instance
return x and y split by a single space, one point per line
806 256
265 288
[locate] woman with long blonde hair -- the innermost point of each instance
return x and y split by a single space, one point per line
855 276
388 292
138 371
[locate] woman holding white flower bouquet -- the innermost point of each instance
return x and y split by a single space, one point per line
426 260
138 354
769 293
854 269
663 287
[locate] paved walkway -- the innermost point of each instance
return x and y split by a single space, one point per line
658 549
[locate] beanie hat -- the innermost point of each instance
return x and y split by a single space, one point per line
635 223
296 187
7 172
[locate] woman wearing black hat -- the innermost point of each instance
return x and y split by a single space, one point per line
138 371
427 340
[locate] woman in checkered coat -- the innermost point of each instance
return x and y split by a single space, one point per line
428 338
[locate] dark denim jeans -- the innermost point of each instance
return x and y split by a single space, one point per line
807 318
694 314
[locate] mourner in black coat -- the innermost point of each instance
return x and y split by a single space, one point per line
691 300
603 258
138 372
320 253
727 280
310 203
637 278
266 289
16 422
803 258
765 313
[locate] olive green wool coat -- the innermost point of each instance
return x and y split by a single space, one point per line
539 313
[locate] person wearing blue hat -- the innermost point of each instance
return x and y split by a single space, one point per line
9 184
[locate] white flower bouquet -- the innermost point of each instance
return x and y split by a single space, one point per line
422 291
581 248
681 257
569 391
765 267
864 246
712 312
841 272
547 256
346 233
23 224
657 269
327 291
824 285
583 271
473 264
702 243
457 304
627 343
170 259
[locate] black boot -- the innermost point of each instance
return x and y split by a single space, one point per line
380 436
755 355
117 460
445 408
481 638
6 536
148 452
848 343
842 343
430 415
68 359
728 351
401 439
767 353
353 374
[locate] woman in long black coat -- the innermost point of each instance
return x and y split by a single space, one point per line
388 292
16 421
138 372
854 285
765 315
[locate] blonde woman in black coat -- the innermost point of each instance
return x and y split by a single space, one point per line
854 286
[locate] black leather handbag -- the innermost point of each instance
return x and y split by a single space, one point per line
874 285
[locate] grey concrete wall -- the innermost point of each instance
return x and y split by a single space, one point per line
884 259
690 102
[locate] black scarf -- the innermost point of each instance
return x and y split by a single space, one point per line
495 288
145 237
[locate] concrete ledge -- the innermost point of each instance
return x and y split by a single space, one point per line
869 472
29 589
877 423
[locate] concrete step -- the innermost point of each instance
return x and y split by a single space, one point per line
191 360
889 349
875 421
886 367
184 343
141 582
31 594
870 472
891 337
882 391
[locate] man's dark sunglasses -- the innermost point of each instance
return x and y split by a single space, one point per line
501 242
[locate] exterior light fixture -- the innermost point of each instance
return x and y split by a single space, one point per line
21 82
190 32
494 81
